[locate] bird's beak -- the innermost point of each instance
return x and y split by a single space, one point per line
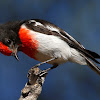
14 52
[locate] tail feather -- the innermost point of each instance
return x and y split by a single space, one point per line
92 55
92 65
95 55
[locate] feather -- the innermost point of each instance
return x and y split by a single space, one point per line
92 65
95 55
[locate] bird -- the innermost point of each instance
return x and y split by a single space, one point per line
45 42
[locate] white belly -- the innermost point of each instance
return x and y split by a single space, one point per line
52 46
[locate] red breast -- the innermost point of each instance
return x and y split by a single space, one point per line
29 43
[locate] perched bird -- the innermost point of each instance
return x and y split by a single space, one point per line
44 42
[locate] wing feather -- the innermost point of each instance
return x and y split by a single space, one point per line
48 28
92 65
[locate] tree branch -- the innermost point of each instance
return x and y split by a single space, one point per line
33 87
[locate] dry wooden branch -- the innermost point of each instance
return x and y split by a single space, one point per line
33 87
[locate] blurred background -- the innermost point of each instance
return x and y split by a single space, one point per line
81 19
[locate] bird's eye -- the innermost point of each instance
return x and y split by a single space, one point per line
8 41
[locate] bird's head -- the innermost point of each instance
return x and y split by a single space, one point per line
9 39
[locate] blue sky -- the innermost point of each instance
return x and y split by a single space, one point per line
81 19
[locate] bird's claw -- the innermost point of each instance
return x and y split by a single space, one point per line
40 73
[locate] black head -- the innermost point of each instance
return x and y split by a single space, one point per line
9 37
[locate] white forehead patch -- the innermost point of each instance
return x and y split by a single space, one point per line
36 23
52 28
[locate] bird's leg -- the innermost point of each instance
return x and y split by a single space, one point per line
54 66
44 71
37 65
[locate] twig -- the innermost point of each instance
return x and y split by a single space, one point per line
33 87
